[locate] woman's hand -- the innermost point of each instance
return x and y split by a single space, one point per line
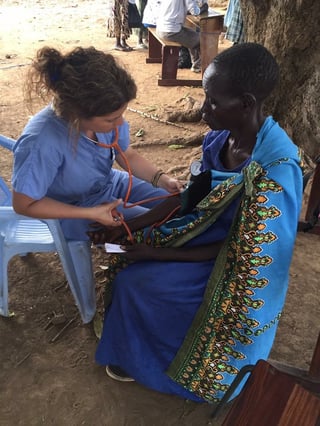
48 208
107 214
106 234
170 184
145 170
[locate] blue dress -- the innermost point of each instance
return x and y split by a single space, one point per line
154 303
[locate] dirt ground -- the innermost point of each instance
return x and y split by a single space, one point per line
49 378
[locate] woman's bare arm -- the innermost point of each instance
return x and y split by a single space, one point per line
47 208
155 215
138 252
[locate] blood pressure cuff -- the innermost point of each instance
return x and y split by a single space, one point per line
196 191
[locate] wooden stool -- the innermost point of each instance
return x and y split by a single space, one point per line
273 398
276 395
166 53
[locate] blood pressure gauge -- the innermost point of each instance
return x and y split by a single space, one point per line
195 168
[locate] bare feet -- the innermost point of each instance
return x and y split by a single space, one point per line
126 46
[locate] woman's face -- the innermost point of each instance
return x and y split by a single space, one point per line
104 123
221 110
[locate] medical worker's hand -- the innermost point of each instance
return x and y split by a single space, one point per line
107 214
170 184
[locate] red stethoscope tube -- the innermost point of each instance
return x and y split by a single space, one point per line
116 215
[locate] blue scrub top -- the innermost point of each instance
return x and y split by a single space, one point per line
49 162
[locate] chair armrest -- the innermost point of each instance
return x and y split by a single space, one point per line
7 142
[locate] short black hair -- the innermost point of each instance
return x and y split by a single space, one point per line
250 68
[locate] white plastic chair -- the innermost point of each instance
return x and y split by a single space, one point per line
5 194
20 234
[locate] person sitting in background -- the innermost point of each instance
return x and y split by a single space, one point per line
170 26
200 296
149 19
151 13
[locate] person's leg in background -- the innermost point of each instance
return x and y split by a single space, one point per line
113 26
125 29
234 23
142 32
117 23
184 58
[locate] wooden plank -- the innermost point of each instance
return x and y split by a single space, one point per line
179 82
314 370
161 40
153 60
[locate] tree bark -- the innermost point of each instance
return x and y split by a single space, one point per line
290 30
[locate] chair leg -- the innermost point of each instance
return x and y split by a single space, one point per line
82 282
4 308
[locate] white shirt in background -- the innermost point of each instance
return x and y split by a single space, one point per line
151 13
172 14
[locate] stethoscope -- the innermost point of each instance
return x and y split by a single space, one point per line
118 217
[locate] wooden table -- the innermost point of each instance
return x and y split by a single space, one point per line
210 25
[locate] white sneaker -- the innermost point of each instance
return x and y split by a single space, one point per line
116 373
196 69
141 46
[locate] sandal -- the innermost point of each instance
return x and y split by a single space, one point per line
121 48
126 47
116 373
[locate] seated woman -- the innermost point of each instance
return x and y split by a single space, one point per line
202 294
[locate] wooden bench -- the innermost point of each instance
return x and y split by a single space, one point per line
310 222
166 53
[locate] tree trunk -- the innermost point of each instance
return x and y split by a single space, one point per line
290 29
